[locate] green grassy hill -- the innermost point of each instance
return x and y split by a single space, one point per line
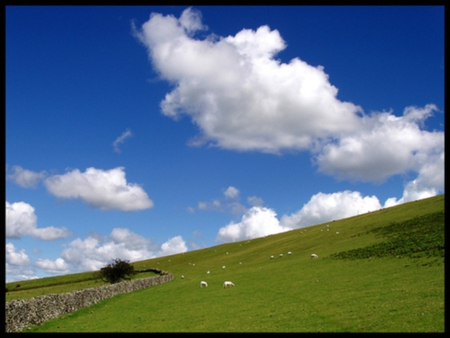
383 272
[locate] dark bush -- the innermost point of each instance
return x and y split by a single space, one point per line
117 271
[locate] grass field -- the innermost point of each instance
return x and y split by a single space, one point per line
383 272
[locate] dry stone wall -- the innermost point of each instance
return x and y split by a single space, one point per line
24 312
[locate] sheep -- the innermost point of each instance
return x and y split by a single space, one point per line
203 284
271 257
182 277
337 232
314 256
227 283
240 262
281 255
207 272
289 253
223 267
328 229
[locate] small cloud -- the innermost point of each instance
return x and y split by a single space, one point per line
231 192
126 134
190 209
26 178
255 201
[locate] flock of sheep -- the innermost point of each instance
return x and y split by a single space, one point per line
230 284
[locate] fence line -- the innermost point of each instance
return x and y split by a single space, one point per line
21 313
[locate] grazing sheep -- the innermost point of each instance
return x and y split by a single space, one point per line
281 255
227 252
226 284
240 262
337 232
314 256
203 284
182 277
328 229
289 253
223 267
271 257
207 272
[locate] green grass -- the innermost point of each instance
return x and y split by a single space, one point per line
335 293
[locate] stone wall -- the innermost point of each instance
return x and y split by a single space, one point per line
24 312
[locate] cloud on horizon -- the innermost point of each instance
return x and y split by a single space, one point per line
91 253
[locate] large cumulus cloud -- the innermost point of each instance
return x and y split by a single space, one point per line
242 98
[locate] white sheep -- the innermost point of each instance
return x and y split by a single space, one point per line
207 272
281 255
271 257
227 283
203 284
314 256
223 267
289 253
337 232
182 277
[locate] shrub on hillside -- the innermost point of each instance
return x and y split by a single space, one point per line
117 271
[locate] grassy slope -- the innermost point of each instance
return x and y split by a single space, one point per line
289 293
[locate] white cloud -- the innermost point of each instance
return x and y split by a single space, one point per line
121 139
16 258
238 94
173 246
256 222
17 264
103 189
327 207
428 183
244 99
94 252
384 146
255 201
21 221
58 266
231 192
26 178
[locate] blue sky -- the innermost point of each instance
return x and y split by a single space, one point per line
135 135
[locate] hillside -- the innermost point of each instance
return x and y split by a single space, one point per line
378 272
